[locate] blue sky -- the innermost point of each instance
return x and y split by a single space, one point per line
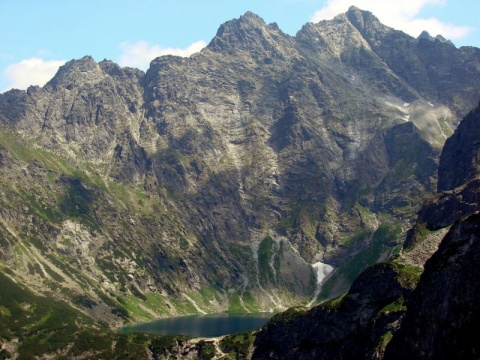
37 36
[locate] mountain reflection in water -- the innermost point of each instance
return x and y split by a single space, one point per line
210 325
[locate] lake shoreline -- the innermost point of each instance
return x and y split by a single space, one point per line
201 326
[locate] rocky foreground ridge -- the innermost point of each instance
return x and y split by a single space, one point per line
214 182
391 311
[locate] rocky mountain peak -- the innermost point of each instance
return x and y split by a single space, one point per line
426 36
360 15
252 18
333 38
364 21
441 39
118 72
249 31
84 70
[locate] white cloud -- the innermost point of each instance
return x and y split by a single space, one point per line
140 54
402 15
34 71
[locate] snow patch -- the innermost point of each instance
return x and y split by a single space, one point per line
406 104
429 103
407 118
322 271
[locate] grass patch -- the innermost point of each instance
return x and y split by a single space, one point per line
420 235
397 305
57 277
383 342
382 240
206 350
155 303
408 275
161 346
356 239
234 304
205 296
333 303
265 252
135 307
4 311
41 208
42 325
238 345
183 306
288 315
239 303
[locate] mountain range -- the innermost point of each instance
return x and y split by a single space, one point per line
237 178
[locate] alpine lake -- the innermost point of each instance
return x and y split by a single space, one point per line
210 325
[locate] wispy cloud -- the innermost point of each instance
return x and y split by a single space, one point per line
33 71
141 53
402 15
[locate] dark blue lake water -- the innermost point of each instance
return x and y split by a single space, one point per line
210 325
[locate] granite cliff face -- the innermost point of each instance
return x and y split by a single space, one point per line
391 311
459 161
214 182
443 314
350 327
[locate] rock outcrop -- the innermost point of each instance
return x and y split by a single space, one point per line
443 315
436 318
350 327
459 162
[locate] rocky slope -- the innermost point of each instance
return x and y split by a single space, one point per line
443 312
388 315
350 327
214 182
